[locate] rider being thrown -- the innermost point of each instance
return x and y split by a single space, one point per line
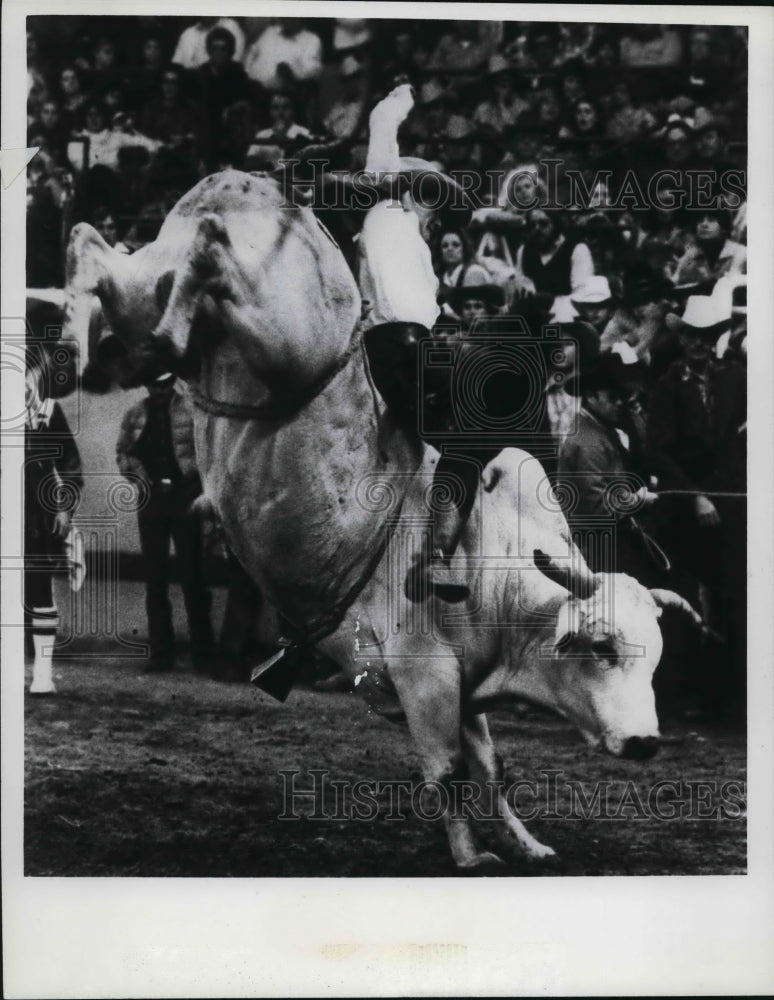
397 281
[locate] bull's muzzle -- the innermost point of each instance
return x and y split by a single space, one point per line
640 747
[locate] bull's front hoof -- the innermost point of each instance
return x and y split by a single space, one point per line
485 863
540 853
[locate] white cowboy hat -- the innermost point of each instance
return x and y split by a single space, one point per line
724 292
703 314
594 290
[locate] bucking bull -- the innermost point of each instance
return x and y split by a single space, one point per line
324 498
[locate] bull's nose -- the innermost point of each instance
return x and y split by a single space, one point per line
640 747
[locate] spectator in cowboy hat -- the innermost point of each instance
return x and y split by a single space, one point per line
696 442
594 302
602 450
692 394
576 349
640 315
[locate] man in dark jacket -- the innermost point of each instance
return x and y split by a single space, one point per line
598 479
696 439
221 84
697 423
156 448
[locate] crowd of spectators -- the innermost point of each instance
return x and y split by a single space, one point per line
565 126
130 112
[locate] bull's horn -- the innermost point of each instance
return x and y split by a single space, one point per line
577 578
669 599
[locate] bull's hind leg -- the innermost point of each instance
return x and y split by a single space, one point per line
429 693
486 767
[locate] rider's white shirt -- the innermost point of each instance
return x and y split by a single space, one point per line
396 268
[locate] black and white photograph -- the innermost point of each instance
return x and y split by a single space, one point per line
379 512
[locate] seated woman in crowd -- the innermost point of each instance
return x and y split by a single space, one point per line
74 97
455 265
585 120
713 254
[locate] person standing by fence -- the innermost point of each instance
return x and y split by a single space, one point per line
156 446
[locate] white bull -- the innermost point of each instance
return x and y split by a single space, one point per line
324 498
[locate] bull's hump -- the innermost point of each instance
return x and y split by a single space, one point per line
227 192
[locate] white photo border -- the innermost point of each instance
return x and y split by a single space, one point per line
127 937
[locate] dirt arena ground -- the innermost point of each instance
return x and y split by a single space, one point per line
179 775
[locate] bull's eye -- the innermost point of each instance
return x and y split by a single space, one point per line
605 649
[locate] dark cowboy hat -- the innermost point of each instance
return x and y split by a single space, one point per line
705 315
586 338
431 187
607 371
492 295
643 285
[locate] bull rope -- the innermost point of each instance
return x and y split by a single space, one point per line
275 409
722 494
